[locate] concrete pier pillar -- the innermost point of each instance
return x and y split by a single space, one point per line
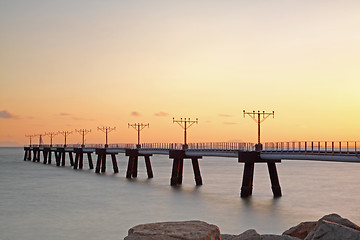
275 184
63 158
98 162
81 160
175 172
76 163
148 166
91 166
71 158
197 174
247 183
115 166
103 162
129 170
49 157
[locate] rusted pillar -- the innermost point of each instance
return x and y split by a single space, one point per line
98 162
25 154
148 166
103 161
247 183
197 174
29 155
135 167
63 158
130 167
49 159
45 153
91 166
115 166
76 164
180 171
71 158
175 172
58 157
81 160
35 152
275 184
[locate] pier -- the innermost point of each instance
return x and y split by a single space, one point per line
247 153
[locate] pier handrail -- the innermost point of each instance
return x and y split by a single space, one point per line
317 147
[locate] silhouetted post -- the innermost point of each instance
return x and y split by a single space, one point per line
106 130
83 132
196 168
148 167
30 138
115 166
91 166
65 134
185 124
248 176
275 185
138 127
51 135
257 118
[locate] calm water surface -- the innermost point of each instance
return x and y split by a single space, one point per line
47 202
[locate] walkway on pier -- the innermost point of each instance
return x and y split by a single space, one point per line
271 154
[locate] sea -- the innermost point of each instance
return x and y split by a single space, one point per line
40 201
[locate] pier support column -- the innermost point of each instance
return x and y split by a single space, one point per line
178 165
45 153
275 184
81 161
115 165
148 166
129 170
76 163
57 157
49 158
196 168
249 159
98 162
71 158
29 155
91 166
26 153
132 169
63 157
101 160
247 183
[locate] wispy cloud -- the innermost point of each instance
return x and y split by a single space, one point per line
6 114
135 114
230 123
74 117
161 114
224 115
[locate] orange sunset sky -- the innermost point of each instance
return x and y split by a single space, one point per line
66 65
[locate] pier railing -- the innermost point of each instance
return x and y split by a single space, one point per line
205 146
348 147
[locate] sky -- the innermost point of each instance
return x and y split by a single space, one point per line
83 64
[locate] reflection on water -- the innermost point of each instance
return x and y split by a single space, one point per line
42 201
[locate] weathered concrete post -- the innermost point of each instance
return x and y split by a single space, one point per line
178 165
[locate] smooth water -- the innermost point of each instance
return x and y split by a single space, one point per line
40 201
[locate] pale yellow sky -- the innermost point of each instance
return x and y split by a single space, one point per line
66 65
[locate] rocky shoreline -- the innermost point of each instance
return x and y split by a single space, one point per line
329 227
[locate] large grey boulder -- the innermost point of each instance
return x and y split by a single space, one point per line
186 230
315 230
253 235
301 230
332 231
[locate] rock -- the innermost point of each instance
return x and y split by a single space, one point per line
250 234
277 237
186 230
326 230
335 218
253 235
301 230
